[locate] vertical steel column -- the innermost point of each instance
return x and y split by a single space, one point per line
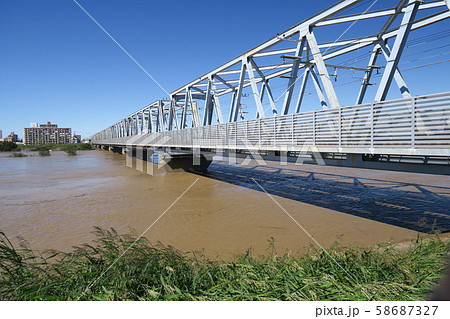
149 121
195 111
237 98
233 100
216 104
164 116
173 108
261 94
184 113
302 89
368 74
170 119
264 86
320 95
293 76
159 117
207 111
131 125
172 115
256 95
136 127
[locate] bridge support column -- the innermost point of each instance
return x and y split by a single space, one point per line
273 155
115 149
354 160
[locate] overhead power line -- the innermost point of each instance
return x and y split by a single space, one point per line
121 47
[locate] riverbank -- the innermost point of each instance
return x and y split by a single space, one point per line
117 267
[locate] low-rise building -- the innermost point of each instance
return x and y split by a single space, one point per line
12 137
75 139
46 133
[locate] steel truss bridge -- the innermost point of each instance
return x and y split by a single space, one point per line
195 115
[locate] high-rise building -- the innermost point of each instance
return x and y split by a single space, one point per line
46 133
1 134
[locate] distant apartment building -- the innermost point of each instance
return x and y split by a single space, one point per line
46 133
12 137
1 134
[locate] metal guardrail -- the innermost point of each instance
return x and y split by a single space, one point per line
412 126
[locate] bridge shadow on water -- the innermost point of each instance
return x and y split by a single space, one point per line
418 207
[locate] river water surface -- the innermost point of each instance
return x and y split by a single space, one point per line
54 203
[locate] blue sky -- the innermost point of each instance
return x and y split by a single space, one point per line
57 65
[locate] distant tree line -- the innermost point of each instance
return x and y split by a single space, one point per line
44 149
70 149
8 146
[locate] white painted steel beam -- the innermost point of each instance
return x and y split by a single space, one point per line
302 90
293 76
237 98
322 69
320 94
255 91
397 49
397 75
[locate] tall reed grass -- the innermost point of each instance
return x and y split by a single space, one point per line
148 272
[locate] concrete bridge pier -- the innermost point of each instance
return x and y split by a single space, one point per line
188 162
143 153
115 149
354 160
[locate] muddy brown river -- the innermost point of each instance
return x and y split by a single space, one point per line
54 202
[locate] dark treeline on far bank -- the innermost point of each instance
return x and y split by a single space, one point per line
44 149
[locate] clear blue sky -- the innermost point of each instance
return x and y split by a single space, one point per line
57 65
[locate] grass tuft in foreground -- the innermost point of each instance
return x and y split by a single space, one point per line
18 154
146 272
44 152
70 149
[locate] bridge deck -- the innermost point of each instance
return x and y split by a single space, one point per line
412 126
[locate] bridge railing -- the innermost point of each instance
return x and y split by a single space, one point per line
412 126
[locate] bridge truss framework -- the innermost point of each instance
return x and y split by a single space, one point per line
412 125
